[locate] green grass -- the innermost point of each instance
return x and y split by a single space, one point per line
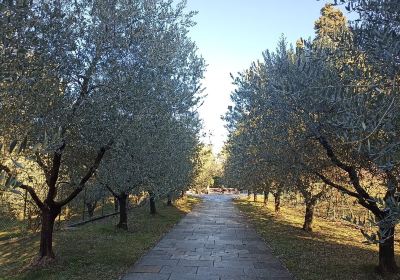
76 213
333 251
11 228
14 227
94 251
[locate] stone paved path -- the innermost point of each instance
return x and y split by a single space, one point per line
213 242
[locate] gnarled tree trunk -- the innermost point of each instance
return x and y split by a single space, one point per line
152 204
116 206
49 208
123 211
266 197
277 197
169 199
387 261
309 216
48 216
91 206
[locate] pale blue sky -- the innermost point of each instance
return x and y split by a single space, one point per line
231 34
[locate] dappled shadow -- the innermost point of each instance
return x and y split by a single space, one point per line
16 255
95 249
326 253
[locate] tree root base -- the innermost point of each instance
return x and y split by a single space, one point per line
42 262
122 226
387 272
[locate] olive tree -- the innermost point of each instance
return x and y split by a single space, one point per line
68 72
337 118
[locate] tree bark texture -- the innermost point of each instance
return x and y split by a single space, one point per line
152 204
277 201
123 211
116 206
169 199
266 198
48 216
91 206
387 261
309 216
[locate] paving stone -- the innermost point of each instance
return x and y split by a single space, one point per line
179 269
156 262
210 258
188 256
175 276
221 271
197 263
243 277
213 242
147 268
234 263
157 252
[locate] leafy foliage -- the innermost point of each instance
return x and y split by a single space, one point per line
100 93
327 114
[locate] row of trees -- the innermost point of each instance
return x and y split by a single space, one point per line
209 171
325 114
99 93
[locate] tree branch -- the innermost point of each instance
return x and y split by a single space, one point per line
88 175
34 196
306 194
320 194
363 197
42 165
6 169
336 186
329 151
111 191
85 85
54 172
31 191
369 204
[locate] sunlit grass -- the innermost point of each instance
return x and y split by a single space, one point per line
94 251
11 227
15 226
333 251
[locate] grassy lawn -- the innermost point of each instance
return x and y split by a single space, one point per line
13 227
333 251
10 228
94 251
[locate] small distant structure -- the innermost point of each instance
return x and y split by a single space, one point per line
222 190
218 187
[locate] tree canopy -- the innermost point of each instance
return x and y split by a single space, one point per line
325 114
100 88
